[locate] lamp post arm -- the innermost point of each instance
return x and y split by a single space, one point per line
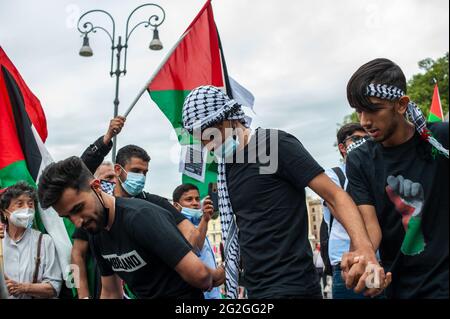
89 27
153 20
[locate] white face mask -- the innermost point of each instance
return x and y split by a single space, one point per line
22 217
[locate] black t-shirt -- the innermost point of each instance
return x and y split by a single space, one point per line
162 202
143 247
269 203
419 270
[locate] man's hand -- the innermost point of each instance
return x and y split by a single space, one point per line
115 126
219 276
208 209
2 231
360 272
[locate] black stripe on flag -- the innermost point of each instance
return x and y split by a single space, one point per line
224 67
27 140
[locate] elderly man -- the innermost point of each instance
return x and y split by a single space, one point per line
262 198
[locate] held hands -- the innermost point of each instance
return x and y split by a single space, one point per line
115 126
2 231
361 271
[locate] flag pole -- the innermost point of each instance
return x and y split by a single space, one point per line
142 91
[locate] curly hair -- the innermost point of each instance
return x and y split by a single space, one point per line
13 192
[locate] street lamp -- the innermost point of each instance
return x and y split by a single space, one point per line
86 28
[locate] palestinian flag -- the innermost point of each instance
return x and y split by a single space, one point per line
23 156
436 114
195 60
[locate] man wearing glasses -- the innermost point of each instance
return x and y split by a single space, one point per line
348 137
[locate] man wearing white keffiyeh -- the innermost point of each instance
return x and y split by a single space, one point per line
400 178
262 208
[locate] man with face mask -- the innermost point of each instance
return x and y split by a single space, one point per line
261 182
186 198
133 240
131 167
31 266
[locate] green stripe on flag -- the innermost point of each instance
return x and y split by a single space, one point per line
15 172
171 104
434 118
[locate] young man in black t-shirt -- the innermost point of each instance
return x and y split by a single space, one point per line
400 177
132 239
262 180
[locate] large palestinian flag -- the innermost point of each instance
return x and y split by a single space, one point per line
197 59
23 156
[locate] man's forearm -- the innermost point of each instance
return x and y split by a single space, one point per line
346 212
83 289
202 231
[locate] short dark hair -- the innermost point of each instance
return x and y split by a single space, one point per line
125 154
57 177
180 190
13 192
347 130
378 71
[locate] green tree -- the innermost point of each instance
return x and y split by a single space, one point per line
421 86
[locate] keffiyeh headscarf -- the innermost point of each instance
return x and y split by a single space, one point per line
204 107
413 112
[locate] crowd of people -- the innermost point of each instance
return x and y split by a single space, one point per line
385 232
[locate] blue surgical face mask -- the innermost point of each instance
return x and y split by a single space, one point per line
228 148
134 184
194 215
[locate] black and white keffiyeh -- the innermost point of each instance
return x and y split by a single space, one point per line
204 107
353 146
414 114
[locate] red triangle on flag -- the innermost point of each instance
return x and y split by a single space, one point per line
436 113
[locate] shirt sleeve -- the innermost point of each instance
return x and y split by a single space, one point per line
295 163
51 272
103 266
358 187
156 231
94 155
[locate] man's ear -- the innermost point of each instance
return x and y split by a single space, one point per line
95 184
342 149
403 104
117 169
177 206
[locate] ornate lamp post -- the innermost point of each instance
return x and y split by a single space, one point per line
88 27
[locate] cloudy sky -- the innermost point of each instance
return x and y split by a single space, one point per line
295 56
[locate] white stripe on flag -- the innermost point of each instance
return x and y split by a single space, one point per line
53 224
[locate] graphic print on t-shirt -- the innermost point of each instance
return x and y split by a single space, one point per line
128 262
408 199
